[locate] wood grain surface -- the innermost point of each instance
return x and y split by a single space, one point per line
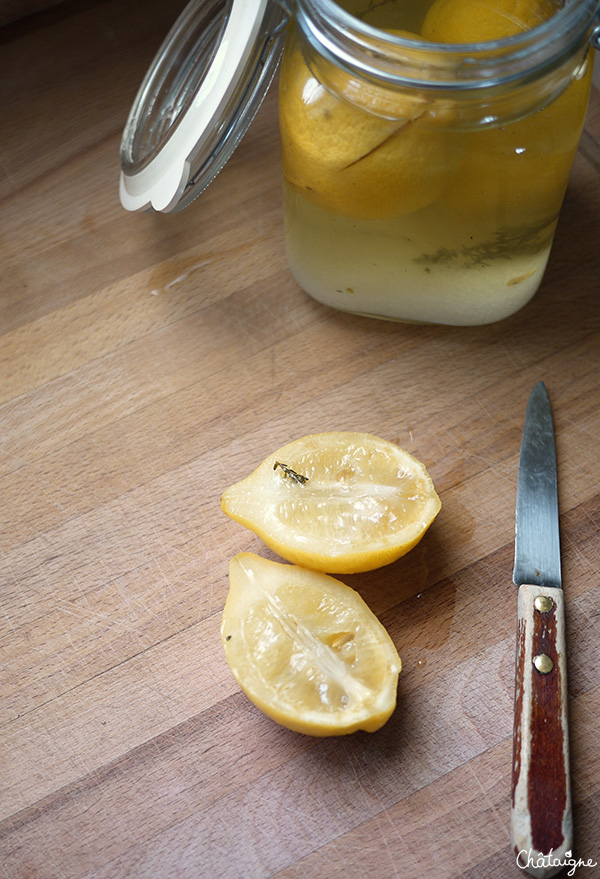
146 362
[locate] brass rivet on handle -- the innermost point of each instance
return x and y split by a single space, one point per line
543 603
543 663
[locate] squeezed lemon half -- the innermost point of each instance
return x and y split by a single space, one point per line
306 649
339 502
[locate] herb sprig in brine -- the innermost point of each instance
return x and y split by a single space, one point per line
507 244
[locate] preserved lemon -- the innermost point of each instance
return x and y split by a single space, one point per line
343 153
473 21
339 502
306 649
515 177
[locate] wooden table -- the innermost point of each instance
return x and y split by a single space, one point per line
147 362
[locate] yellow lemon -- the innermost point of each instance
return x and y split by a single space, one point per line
516 175
306 649
340 502
472 21
351 160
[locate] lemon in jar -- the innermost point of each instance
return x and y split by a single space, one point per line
474 21
512 175
360 153
517 174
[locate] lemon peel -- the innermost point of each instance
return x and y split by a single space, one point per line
514 175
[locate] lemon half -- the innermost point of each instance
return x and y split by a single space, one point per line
306 649
339 502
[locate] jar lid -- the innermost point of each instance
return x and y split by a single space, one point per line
198 99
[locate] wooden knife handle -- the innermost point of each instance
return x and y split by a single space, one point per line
541 815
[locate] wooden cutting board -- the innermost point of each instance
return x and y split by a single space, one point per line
146 362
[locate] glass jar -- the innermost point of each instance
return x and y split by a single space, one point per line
423 171
425 153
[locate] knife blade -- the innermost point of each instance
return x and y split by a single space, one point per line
541 809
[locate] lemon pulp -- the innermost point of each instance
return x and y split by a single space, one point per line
306 649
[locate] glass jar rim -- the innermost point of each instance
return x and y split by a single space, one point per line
406 62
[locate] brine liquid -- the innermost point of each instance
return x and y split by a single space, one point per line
422 268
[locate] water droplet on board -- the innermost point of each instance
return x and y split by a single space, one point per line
168 276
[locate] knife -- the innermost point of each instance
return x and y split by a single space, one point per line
541 813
